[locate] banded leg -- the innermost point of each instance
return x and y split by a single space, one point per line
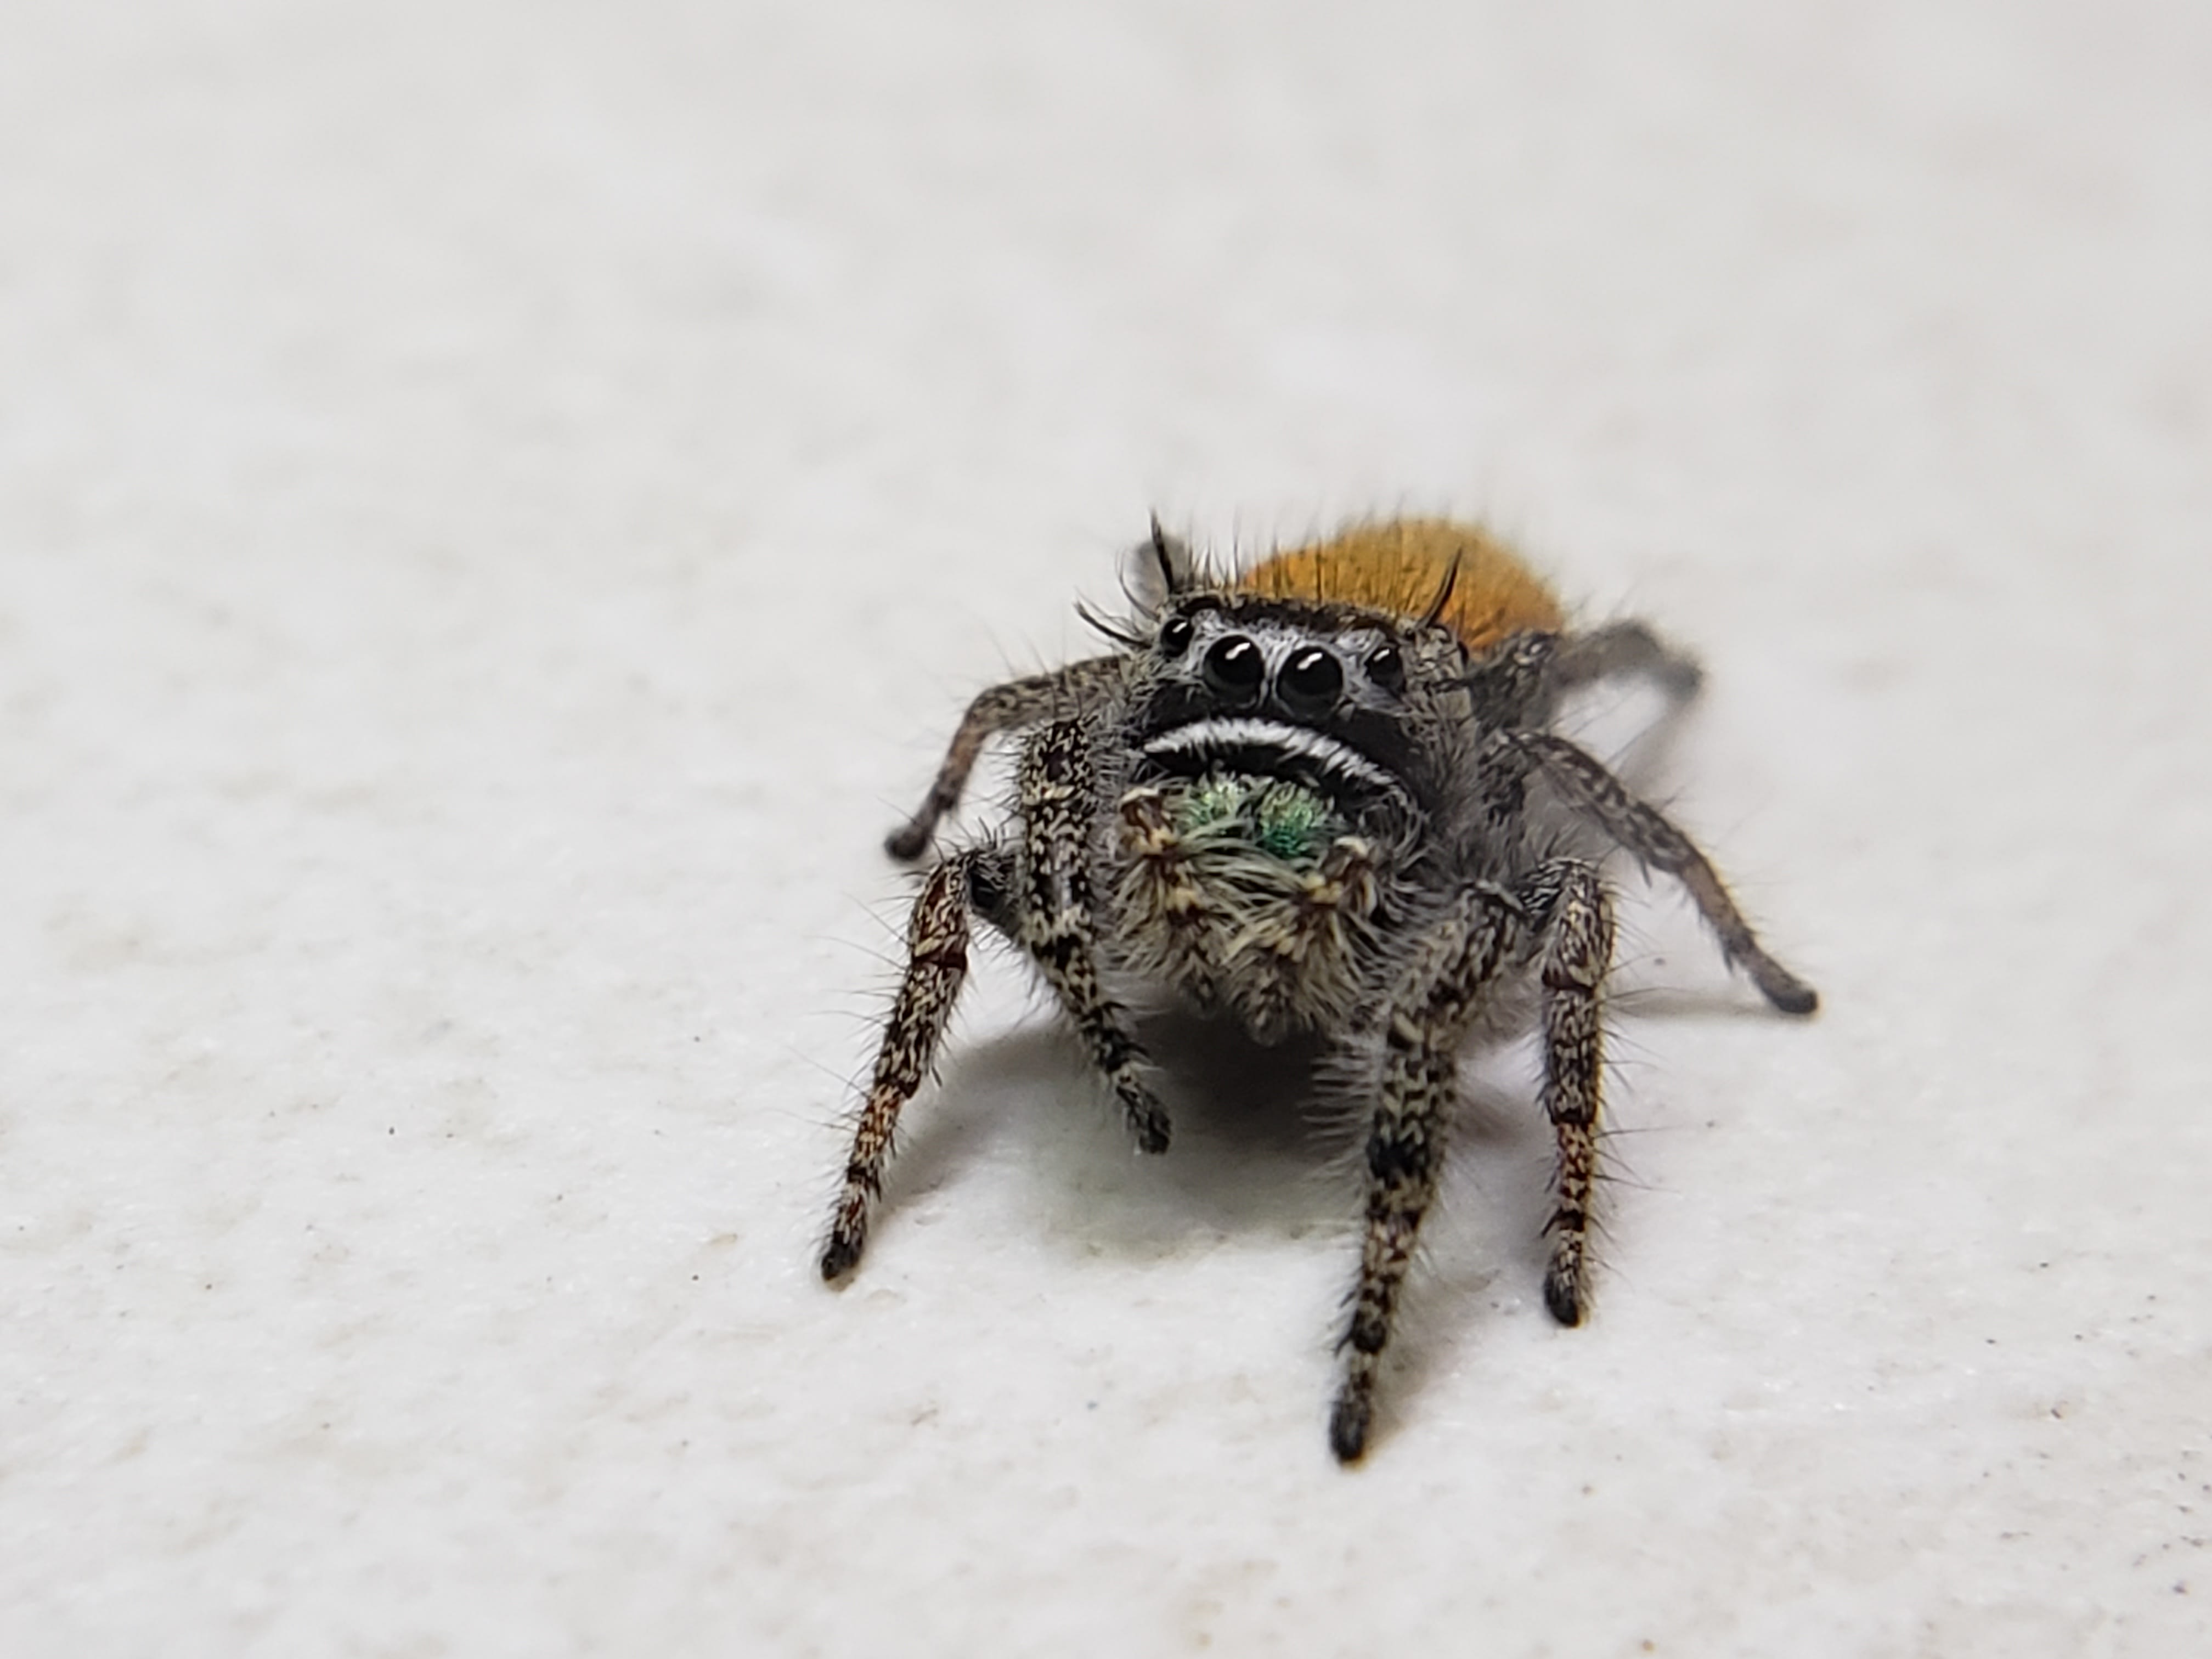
1625 647
1519 681
1001 708
1422 1030
1641 828
1512 684
1058 922
1577 951
937 963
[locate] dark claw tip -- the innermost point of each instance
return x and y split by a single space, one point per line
839 1257
1152 1137
1563 1298
906 842
1347 1429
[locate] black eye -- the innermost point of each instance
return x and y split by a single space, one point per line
1386 666
1234 668
1310 680
1175 637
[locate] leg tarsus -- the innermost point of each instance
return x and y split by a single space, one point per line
1783 989
1350 1417
1563 1293
1577 929
1148 1123
909 841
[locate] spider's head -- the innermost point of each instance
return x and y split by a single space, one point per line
1324 695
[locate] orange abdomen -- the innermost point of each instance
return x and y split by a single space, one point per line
1402 564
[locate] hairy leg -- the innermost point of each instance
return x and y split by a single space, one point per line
1001 708
1058 921
1569 901
1422 1027
1625 647
937 963
1595 793
1512 682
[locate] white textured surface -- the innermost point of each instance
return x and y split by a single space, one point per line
499 507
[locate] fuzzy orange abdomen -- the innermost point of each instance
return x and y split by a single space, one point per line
1401 566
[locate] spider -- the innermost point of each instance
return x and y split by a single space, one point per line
1320 796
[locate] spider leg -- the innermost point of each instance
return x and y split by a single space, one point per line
937 963
1057 918
1001 708
1644 830
1519 681
1568 901
1625 647
1422 1027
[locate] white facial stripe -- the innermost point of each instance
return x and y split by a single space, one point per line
1227 736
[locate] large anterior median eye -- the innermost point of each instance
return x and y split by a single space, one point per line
1175 637
1310 681
1234 668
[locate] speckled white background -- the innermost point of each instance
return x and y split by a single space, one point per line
500 506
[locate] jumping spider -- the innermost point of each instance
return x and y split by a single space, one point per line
1317 797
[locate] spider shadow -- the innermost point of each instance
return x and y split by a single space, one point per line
1265 1145
1483 1247
1258 1147
1729 1000
1266 1142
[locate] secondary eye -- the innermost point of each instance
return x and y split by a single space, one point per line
1386 666
1175 637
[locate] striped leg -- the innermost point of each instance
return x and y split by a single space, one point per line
1422 1030
937 961
1519 681
1058 922
1589 787
1001 708
1578 953
1626 648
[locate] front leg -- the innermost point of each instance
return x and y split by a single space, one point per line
1423 1026
1002 707
937 963
1058 915
1569 906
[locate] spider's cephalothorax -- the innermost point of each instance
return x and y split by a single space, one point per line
1318 797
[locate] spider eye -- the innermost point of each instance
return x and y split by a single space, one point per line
1175 637
1310 680
1234 668
1386 666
